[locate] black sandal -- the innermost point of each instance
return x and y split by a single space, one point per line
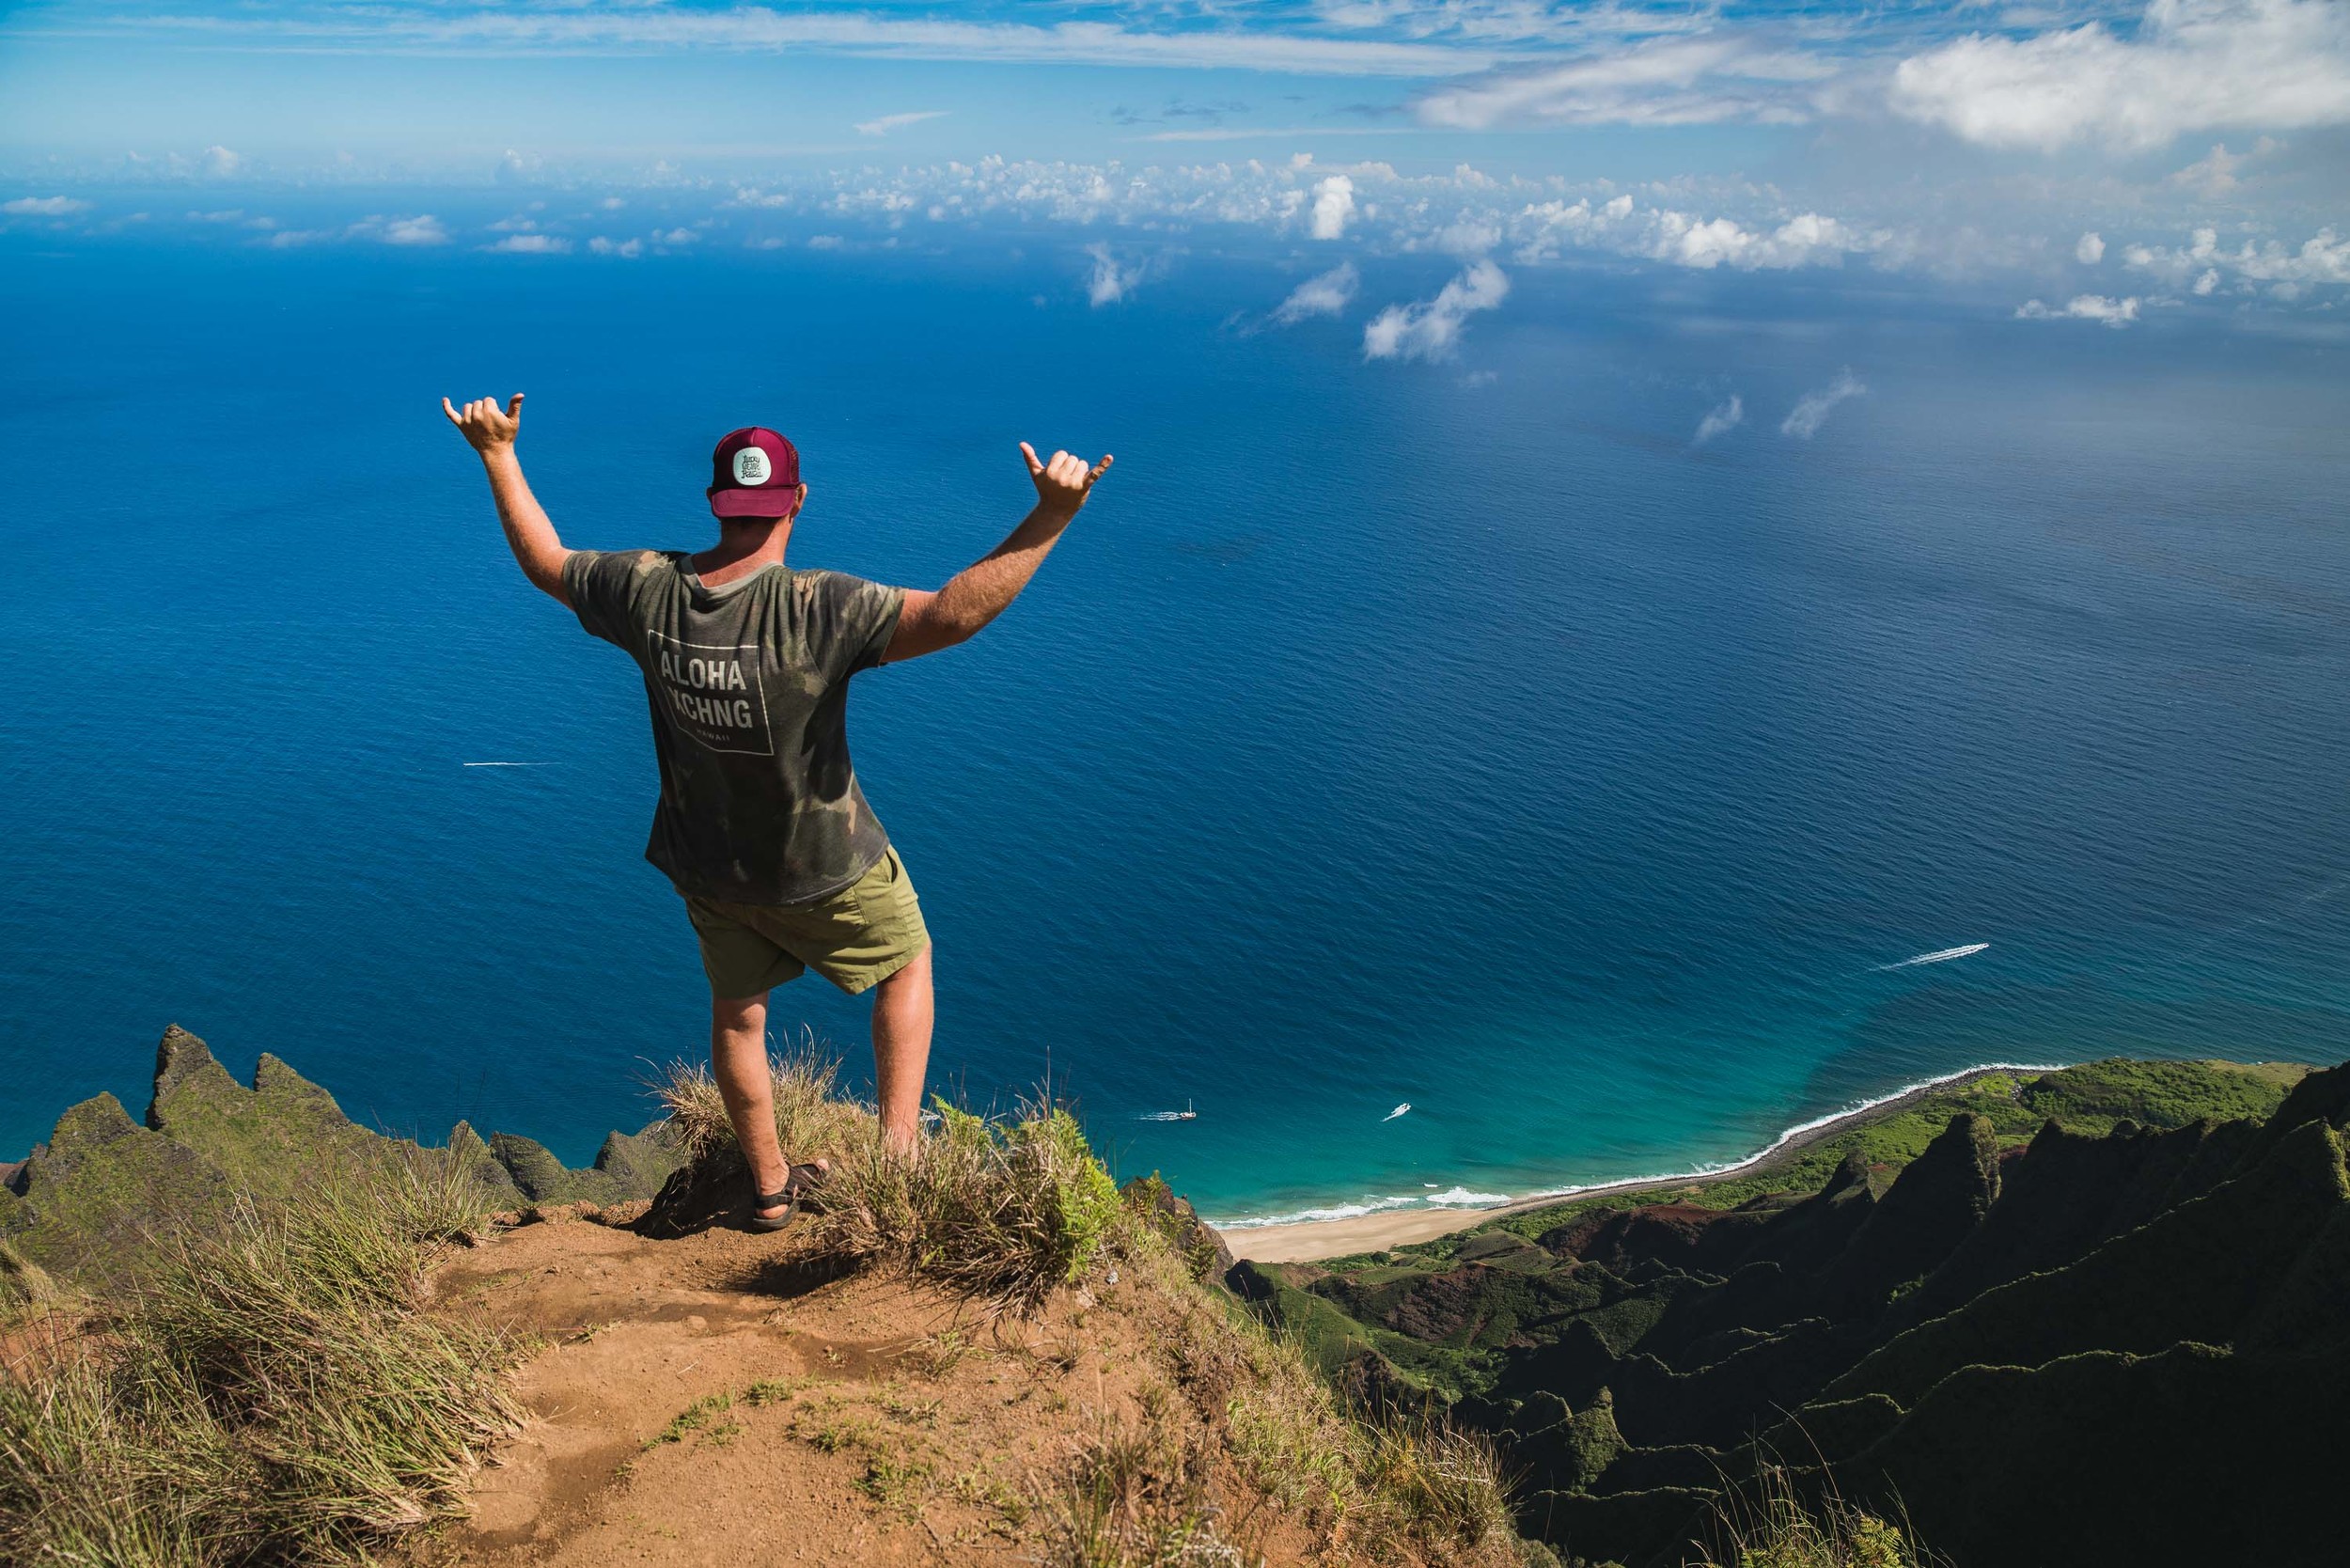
797 1183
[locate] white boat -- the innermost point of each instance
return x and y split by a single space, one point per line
1398 1111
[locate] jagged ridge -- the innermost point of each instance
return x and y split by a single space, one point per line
89 1202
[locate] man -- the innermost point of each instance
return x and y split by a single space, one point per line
760 823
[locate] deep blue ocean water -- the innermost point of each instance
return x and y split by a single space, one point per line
1449 734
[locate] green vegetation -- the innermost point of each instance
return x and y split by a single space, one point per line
2091 1098
272 1390
1133 1498
1003 1210
2101 1282
89 1204
1772 1526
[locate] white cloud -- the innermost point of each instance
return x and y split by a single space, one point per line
43 207
519 168
675 237
1334 203
1807 239
1110 282
887 123
1430 329
2287 273
531 244
2192 65
423 230
1323 294
825 241
1811 410
2212 176
220 162
2091 250
627 249
1698 81
1720 420
2100 308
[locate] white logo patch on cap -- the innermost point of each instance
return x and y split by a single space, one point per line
750 466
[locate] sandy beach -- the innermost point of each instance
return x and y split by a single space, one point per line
1338 1238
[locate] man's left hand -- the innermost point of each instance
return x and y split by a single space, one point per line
487 429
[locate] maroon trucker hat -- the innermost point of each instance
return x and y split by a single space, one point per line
753 473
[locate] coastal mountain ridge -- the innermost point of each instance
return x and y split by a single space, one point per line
103 1187
2083 1317
2110 1341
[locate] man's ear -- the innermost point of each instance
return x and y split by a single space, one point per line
798 504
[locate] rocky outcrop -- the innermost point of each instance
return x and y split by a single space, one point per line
90 1203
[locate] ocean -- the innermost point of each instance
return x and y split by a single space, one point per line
1457 734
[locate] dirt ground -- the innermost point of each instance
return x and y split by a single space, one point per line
717 1400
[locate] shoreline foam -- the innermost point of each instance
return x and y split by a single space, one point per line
1373 1224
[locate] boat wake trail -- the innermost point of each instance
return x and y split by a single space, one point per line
1942 955
1398 1111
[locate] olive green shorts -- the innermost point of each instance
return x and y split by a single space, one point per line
855 938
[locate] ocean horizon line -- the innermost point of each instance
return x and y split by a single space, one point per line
1458 1196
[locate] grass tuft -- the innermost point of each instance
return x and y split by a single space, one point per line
1772 1526
1132 1496
998 1209
275 1391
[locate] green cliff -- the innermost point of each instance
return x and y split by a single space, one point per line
2099 1316
92 1203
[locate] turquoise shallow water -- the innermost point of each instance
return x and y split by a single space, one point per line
1451 735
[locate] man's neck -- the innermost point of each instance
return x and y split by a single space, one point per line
743 548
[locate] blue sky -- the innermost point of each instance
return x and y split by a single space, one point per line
2100 162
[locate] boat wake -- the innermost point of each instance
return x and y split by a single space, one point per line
1941 955
1398 1111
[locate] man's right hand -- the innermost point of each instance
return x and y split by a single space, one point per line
1064 484
485 428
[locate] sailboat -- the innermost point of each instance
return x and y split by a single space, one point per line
1186 1114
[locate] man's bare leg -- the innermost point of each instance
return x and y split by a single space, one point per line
738 1058
903 1014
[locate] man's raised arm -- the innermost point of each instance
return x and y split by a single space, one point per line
978 594
529 532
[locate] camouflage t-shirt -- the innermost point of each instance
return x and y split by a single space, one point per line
749 688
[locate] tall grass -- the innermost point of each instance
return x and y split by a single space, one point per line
1002 1210
1773 1523
274 1391
1399 1484
1135 1497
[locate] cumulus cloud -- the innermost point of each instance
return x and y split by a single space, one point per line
531 244
219 161
887 123
1685 240
1323 294
2091 250
2285 270
1698 81
1720 420
1807 239
1811 410
1430 329
2192 65
1334 203
628 249
43 207
2213 176
2082 307
1110 282
424 230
